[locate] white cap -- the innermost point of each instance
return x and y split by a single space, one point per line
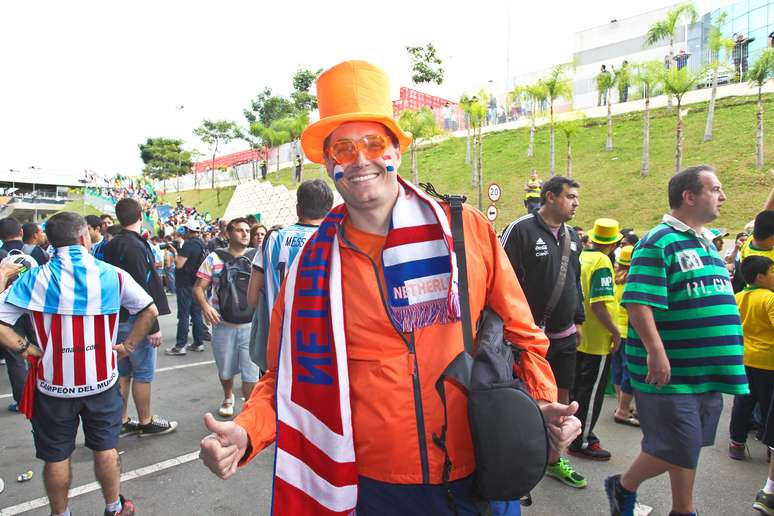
193 225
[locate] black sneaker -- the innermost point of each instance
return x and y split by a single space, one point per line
195 347
208 336
129 427
593 451
622 502
764 503
127 508
157 426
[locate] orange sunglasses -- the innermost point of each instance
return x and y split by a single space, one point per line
345 151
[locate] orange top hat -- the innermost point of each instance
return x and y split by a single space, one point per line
352 91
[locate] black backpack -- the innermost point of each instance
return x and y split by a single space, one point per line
192 264
232 287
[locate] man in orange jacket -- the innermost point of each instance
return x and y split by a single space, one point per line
364 325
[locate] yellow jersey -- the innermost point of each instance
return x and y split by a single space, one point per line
756 307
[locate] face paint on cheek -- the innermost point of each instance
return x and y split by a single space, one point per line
388 164
338 172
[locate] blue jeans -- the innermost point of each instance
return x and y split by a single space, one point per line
188 311
382 499
170 275
620 370
141 363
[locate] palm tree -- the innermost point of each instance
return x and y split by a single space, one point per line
649 76
678 83
605 82
758 74
293 126
421 124
557 86
666 29
535 95
716 43
477 111
569 127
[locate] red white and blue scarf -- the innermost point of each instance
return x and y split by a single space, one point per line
315 467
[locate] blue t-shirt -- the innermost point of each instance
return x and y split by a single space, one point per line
277 255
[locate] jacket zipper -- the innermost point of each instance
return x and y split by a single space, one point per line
418 411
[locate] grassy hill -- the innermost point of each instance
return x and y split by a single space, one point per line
611 185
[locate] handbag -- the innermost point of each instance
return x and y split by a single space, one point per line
510 439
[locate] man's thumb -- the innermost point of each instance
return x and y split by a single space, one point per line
215 426
571 409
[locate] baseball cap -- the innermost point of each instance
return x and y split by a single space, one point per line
193 225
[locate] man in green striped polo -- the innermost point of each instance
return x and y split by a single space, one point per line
684 344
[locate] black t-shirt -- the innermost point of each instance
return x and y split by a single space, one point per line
193 249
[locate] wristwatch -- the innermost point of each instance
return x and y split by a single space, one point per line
24 346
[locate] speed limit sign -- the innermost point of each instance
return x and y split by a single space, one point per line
491 212
494 192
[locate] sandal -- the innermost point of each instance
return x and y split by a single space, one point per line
628 421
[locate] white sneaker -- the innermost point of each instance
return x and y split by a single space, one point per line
227 407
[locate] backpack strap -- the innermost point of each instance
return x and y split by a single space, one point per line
224 255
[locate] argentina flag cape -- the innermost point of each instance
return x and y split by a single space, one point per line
72 283
315 466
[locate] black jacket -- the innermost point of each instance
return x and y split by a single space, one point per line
133 254
535 255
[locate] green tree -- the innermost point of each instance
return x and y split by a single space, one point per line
557 86
421 124
534 96
274 138
720 49
649 77
303 80
684 13
758 74
678 83
425 64
266 108
292 127
164 158
605 82
214 133
623 79
569 127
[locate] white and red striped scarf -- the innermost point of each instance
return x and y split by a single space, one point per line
315 467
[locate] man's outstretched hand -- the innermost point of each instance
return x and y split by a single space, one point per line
222 450
563 427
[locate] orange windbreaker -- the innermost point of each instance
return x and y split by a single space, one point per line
395 406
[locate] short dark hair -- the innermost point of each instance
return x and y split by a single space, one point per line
93 221
631 238
106 216
9 228
314 199
578 228
65 228
740 235
29 230
252 220
763 227
688 180
233 222
114 230
555 185
128 211
754 265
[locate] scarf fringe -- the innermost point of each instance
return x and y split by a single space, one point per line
424 314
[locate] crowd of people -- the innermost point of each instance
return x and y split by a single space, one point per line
346 327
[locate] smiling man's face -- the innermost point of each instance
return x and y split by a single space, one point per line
366 184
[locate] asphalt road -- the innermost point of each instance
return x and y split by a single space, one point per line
166 477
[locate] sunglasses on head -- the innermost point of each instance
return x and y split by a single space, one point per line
345 150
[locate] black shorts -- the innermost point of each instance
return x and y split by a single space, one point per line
561 356
675 427
55 423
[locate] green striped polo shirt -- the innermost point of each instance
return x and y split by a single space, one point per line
683 278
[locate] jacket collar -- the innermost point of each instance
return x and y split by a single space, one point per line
705 236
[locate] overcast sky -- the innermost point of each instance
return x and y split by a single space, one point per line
85 81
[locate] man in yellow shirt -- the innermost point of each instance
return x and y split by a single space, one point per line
756 307
621 381
600 335
532 189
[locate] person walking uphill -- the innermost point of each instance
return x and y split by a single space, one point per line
366 322
73 302
684 347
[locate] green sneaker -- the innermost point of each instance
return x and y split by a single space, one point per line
764 503
563 472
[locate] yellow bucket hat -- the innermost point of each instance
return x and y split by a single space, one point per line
606 231
625 256
352 91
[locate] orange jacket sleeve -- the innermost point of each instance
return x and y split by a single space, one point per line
259 414
505 296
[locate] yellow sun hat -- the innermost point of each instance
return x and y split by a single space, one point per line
625 256
606 231
352 91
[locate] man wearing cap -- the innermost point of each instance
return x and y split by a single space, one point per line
600 335
684 346
365 323
187 262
